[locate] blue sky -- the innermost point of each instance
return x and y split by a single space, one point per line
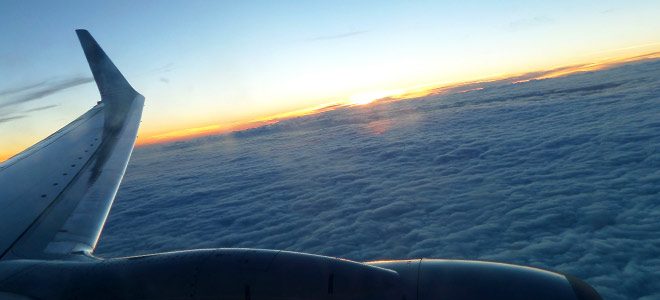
202 63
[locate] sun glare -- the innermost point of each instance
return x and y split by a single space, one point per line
368 97
382 95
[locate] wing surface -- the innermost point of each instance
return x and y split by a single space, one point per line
56 195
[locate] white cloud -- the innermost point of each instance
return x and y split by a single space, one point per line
560 174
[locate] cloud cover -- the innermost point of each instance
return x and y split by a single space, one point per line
561 174
39 90
12 98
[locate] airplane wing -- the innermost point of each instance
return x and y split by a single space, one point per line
55 196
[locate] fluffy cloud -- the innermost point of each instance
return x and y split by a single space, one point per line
561 174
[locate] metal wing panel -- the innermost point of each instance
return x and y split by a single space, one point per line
56 195
75 222
33 179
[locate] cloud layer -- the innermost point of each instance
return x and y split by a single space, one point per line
12 98
561 174
39 90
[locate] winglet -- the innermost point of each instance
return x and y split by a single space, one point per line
107 76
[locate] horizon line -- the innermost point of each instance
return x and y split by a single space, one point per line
385 96
391 95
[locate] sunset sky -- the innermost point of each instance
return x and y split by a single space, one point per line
209 66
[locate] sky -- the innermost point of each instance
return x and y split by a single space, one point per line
213 66
559 174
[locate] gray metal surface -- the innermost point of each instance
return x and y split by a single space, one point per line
429 279
273 274
204 274
56 194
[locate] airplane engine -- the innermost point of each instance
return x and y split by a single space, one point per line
426 279
251 274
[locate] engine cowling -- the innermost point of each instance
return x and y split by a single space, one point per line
426 279
278 275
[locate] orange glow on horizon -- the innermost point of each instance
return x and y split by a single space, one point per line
418 91
368 98
600 65
226 128
199 132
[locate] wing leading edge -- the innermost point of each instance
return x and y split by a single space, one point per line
56 195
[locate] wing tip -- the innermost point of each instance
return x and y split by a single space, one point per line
108 78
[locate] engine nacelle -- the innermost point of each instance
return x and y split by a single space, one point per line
246 274
427 279
236 274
